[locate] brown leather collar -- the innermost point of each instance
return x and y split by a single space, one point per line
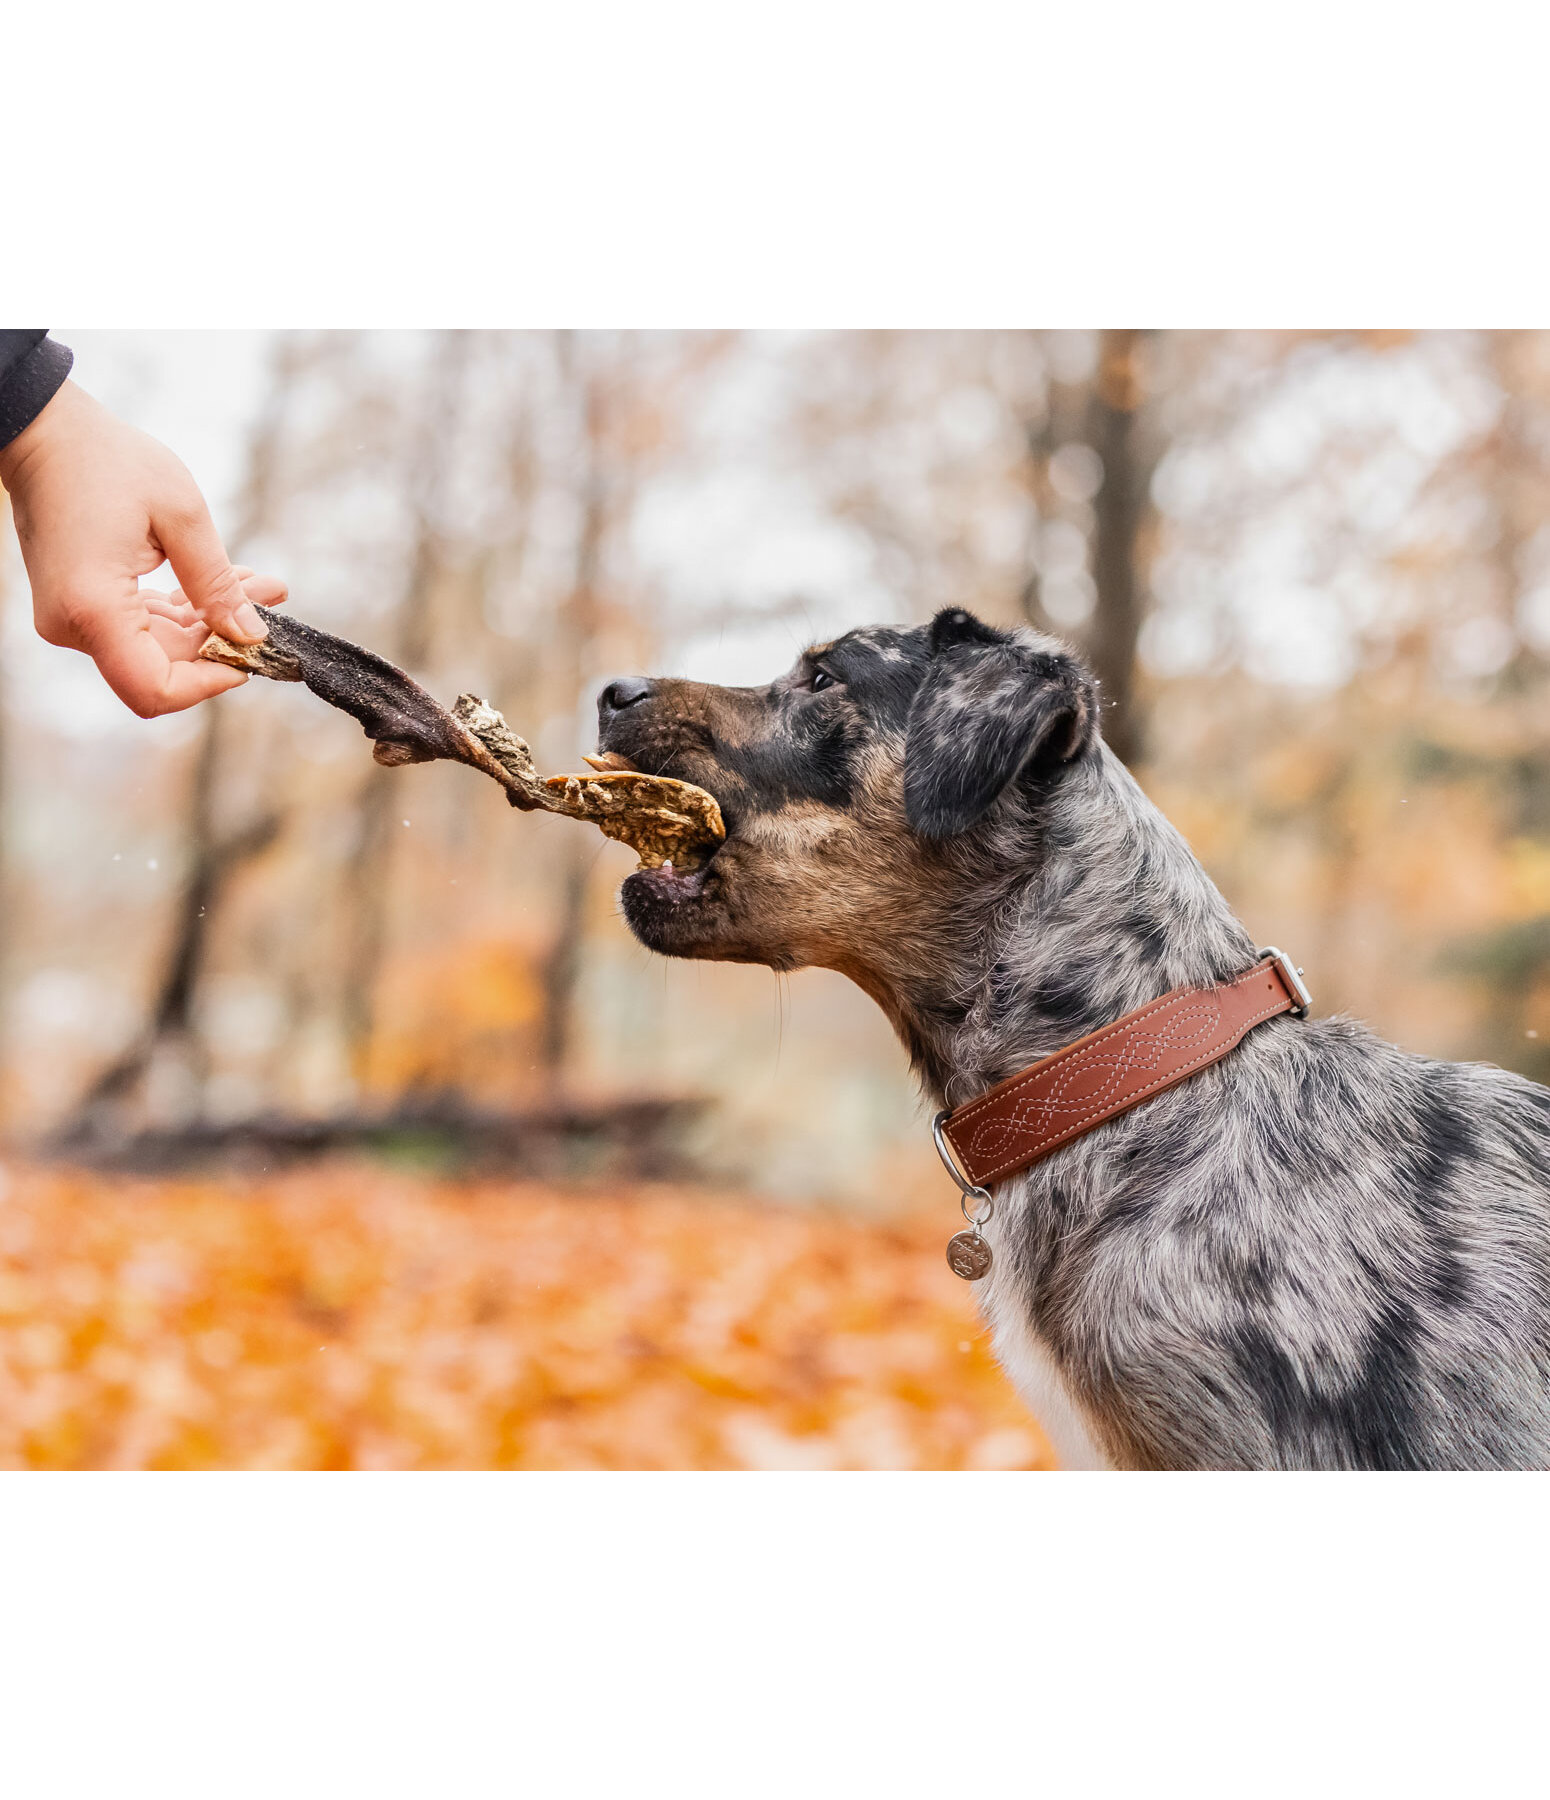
1115 1068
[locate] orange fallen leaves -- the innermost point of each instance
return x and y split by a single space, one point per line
348 1317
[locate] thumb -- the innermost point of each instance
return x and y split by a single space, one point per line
209 583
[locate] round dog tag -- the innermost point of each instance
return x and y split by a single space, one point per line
968 1255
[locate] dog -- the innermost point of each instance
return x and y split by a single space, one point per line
1321 1252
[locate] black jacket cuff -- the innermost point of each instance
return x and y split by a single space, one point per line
30 381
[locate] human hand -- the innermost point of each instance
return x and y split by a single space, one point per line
97 505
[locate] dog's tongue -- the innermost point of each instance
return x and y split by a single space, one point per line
611 763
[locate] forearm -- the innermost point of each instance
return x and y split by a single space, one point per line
32 370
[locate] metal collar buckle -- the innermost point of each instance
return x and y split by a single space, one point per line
1292 976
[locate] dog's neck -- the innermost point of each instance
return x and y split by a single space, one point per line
1091 905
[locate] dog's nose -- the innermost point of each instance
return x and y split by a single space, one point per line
628 690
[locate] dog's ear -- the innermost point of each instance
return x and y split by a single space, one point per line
990 709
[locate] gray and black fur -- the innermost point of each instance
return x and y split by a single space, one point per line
1321 1252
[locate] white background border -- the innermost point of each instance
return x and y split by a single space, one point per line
838 165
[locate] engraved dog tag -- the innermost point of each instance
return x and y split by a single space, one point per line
968 1255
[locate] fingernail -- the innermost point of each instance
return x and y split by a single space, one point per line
246 619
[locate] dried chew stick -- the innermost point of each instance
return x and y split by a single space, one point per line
662 820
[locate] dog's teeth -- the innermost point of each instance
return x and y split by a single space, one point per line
667 867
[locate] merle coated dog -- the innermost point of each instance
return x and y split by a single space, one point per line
1320 1252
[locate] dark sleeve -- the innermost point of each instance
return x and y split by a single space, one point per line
32 370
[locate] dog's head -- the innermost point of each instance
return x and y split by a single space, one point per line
860 790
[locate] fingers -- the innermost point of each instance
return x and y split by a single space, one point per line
154 667
266 590
208 581
180 642
168 606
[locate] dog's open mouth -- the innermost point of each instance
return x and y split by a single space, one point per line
671 910
674 827
660 901
668 886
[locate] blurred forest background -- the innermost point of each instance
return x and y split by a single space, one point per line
301 1057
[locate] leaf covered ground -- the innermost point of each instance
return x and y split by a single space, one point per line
346 1316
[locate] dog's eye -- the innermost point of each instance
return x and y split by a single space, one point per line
822 679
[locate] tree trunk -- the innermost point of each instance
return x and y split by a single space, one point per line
368 880
562 966
212 863
578 624
1119 511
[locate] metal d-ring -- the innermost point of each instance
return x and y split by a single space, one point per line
984 1204
982 1214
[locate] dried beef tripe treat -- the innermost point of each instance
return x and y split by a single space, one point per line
662 820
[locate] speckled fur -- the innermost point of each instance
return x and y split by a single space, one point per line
1321 1252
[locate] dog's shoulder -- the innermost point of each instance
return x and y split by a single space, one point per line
1306 1255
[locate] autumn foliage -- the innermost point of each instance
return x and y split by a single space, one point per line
349 1317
